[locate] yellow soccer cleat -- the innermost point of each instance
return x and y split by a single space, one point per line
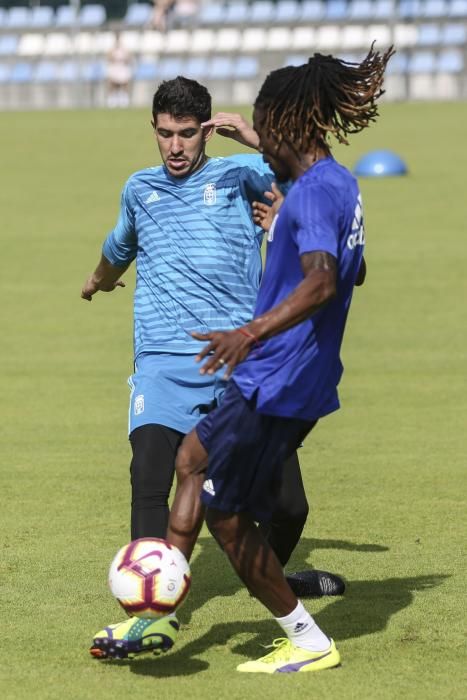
135 636
287 658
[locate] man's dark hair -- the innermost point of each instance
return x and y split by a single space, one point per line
182 97
326 95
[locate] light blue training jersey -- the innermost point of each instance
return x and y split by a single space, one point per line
197 250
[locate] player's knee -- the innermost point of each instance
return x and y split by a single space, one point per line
185 463
292 515
148 482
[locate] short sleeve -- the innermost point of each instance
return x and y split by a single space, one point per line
120 246
255 176
316 216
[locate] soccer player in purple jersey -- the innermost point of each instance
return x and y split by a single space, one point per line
285 364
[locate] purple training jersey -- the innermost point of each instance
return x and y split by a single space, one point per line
296 373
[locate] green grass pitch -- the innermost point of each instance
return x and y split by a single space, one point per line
385 475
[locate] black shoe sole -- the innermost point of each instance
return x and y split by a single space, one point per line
104 648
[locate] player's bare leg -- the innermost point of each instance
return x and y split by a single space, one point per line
253 560
187 513
306 647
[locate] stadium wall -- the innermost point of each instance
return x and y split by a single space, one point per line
58 56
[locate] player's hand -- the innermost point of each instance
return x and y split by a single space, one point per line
225 349
91 286
233 126
264 214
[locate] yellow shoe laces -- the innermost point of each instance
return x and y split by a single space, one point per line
280 651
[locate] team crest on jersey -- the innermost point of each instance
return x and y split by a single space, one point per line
139 404
210 194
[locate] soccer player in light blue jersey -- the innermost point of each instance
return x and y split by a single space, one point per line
188 224
284 364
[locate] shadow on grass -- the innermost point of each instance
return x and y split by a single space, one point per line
212 575
364 610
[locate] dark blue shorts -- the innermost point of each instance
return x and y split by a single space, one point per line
246 453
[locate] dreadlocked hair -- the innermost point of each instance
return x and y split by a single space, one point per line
302 104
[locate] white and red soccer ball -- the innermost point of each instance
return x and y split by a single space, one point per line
149 577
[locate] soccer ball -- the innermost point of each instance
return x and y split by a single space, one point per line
149 577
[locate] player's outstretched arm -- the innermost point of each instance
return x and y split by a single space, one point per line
234 126
105 278
318 287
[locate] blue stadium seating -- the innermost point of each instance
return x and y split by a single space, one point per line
336 10
454 34
146 70
138 14
422 62
287 11
93 71
42 17
221 68
236 13
261 12
361 10
68 72
312 11
8 44
435 8
4 73
65 16
212 13
458 8
429 35
383 9
169 68
196 67
46 72
350 57
92 16
246 67
295 60
18 18
410 9
21 73
398 64
450 61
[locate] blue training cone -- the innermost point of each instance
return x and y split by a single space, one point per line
380 164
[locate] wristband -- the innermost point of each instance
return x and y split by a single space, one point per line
248 335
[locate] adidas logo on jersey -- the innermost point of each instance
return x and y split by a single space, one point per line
208 486
153 197
357 237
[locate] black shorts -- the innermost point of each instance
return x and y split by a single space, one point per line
246 451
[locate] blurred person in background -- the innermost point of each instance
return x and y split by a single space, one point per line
119 75
161 14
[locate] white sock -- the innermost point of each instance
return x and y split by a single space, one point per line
303 631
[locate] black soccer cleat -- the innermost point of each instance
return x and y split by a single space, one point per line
315 584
